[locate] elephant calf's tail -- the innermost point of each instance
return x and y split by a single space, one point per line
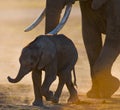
75 84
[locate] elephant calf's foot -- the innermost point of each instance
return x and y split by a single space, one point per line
48 95
105 88
73 99
55 100
38 103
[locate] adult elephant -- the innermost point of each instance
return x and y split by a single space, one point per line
98 16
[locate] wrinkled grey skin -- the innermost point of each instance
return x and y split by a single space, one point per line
56 55
98 16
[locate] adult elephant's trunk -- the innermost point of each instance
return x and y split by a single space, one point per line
52 12
20 75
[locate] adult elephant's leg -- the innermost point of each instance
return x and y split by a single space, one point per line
96 55
110 51
36 77
101 60
53 11
93 44
92 41
107 83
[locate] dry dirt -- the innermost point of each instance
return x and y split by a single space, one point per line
15 15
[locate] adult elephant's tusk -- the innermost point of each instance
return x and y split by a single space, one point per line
63 20
36 21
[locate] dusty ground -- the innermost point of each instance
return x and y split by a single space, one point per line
15 15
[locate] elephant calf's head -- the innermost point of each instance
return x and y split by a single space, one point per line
28 61
35 55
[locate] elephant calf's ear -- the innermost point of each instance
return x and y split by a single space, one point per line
47 56
96 4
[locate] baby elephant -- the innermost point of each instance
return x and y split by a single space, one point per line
56 55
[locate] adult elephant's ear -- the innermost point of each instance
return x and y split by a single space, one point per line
96 4
48 54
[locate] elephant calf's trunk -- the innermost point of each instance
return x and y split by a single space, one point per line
20 75
13 80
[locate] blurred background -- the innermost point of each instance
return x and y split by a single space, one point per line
15 16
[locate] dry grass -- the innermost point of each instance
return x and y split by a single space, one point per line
15 15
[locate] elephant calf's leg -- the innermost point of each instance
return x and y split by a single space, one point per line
45 87
73 93
59 90
50 76
36 77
